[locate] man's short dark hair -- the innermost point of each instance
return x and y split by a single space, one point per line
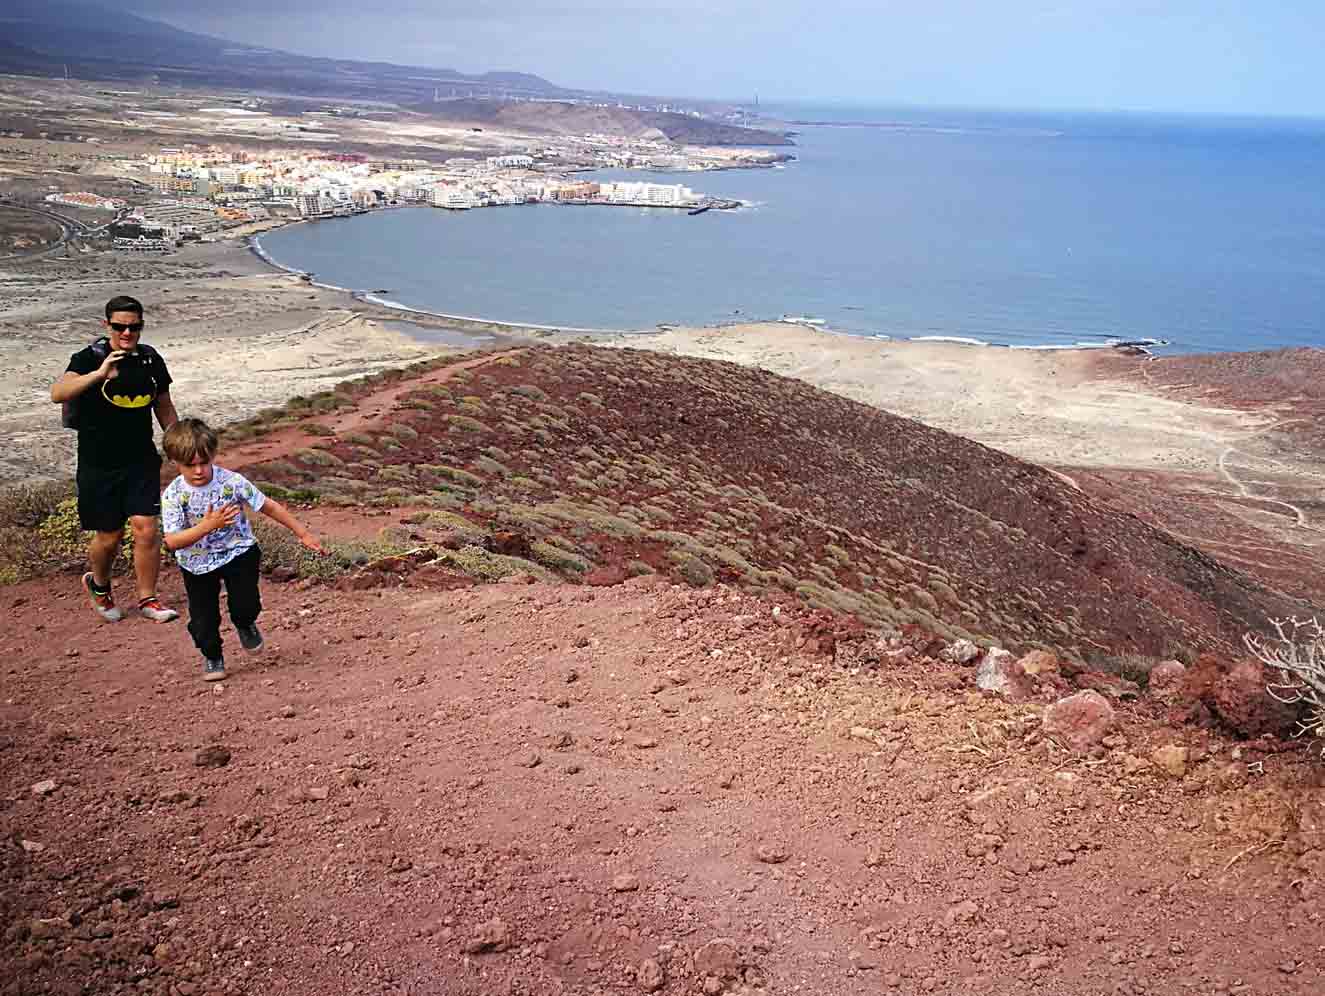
124 303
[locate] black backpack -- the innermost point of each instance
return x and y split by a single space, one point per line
100 349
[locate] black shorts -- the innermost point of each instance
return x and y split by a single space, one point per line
107 496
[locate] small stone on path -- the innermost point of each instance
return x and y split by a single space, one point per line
215 756
772 854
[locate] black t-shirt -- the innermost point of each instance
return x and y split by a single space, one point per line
115 416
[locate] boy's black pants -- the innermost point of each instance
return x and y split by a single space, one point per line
240 577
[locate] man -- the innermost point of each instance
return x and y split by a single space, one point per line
110 391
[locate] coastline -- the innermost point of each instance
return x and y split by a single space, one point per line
500 326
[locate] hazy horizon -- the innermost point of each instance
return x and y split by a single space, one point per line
1183 56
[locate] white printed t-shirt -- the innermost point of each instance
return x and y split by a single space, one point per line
183 507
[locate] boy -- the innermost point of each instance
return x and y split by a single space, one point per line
204 515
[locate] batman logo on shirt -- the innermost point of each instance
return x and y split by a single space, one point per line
133 391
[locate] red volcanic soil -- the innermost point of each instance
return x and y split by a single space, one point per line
558 789
704 470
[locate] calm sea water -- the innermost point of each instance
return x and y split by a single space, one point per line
1024 230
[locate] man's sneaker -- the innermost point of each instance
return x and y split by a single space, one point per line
101 600
213 669
152 608
249 637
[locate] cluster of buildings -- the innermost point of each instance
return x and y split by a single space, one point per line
83 199
236 186
198 191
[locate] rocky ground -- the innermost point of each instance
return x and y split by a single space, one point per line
428 784
534 788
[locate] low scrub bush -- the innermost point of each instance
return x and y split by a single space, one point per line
557 559
281 549
56 541
491 467
405 433
28 504
395 475
486 566
466 424
454 474
318 458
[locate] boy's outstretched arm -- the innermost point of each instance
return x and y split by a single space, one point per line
277 512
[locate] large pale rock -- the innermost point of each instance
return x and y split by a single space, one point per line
720 958
1080 721
1167 680
1039 662
1170 759
961 652
999 672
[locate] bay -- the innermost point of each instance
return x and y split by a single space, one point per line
1013 229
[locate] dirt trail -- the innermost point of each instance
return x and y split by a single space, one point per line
551 789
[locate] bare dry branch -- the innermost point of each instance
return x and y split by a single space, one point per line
1296 659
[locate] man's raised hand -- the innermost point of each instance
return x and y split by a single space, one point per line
108 370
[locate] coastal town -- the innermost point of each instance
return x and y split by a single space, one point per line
196 193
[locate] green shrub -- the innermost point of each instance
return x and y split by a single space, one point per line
280 548
466 424
56 541
282 493
694 571
283 468
531 391
454 474
395 475
318 458
491 467
28 504
404 433
558 559
486 566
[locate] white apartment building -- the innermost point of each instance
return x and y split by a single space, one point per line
453 198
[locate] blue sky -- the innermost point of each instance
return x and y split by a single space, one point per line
1181 55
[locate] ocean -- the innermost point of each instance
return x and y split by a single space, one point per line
1030 230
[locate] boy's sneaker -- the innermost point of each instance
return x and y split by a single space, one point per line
101 600
213 669
151 608
250 638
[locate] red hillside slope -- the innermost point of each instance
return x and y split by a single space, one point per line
603 462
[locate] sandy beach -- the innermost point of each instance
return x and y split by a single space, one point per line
1051 407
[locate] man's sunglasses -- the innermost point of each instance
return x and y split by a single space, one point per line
130 327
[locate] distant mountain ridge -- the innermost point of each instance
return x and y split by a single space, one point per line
92 40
